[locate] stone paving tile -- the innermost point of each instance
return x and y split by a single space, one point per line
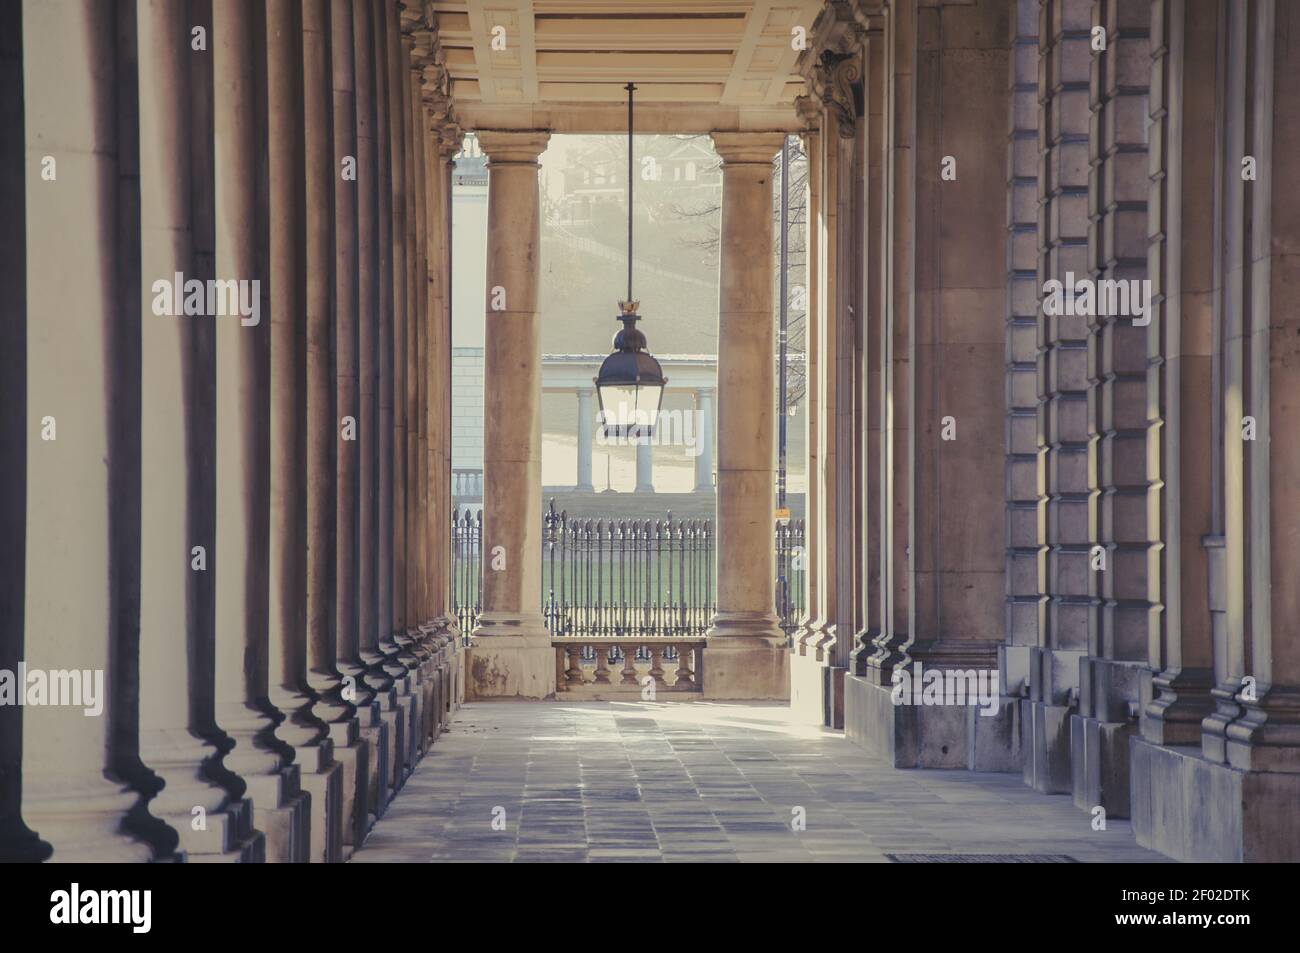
703 782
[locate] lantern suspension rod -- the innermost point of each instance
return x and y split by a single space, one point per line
630 89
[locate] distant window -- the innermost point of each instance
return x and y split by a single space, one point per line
690 172
677 173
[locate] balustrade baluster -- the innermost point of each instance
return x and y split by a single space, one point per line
602 665
683 681
656 666
574 675
629 665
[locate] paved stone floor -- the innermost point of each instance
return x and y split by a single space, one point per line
700 781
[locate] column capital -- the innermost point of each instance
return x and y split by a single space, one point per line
513 148
705 391
587 392
748 148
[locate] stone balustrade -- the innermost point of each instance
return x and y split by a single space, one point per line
602 666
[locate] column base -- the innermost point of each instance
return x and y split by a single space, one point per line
1045 740
931 736
322 779
816 690
510 657
1100 764
745 658
83 821
352 752
1193 809
281 812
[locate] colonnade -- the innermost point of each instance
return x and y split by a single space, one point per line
228 461
1095 505
511 654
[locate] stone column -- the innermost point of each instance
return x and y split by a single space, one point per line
407 632
645 482
586 422
398 117
440 383
1185 97
821 651
812 403
1066 506
17 841
432 379
830 317
386 300
350 58
402 661
704 440
415 372
175 681
874 257
746 657
957 536
893 644
242 459
1183 104
71 795
1123 429
380 675
1022 599
511 654
343 718
1265 740
307 734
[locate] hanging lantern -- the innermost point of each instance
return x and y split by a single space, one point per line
630 385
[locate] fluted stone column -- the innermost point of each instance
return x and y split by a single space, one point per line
175 668
586 426
704 440
512 654
344 719
242 461
645 481
71 795
745 656
349 56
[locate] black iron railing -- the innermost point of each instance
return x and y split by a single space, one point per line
639 578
